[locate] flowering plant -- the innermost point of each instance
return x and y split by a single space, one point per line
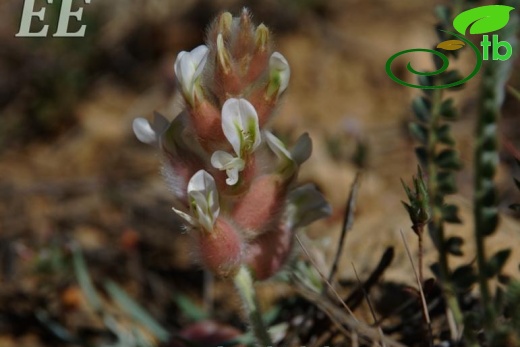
234 180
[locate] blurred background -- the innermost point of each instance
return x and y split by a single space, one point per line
72 174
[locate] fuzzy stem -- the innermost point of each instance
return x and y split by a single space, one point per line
436 225
244 284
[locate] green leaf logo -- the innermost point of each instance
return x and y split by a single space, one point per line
483 19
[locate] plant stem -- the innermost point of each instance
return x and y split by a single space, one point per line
436 225
244 284
419 231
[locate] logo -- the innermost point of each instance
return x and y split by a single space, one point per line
480 20
63 20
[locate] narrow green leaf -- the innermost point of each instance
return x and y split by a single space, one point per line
488 163
408 191
489 220
422 107
451 77
409 209
55 328
189 308
84 280
496 262
487 193
448 159
450 214
419 132
454 245
136 311
464 277
444 135
436 269
447 182
422 156
448 111
425 80
488 139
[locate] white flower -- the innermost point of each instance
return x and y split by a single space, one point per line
204 203
240 126
150 133
224 161
188 68
279 73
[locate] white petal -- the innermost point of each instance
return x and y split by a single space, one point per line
188 67
199 55
144 132
230 113
177 65
205 218
280 69
302 149
240 125
277 147
220 160
201 181
224 161
232 174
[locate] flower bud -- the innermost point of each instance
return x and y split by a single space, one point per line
225 21
261 206
188 69
243 43
221 249
279 74
206 122
230 83
260 56
269 252
263 105
221 25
